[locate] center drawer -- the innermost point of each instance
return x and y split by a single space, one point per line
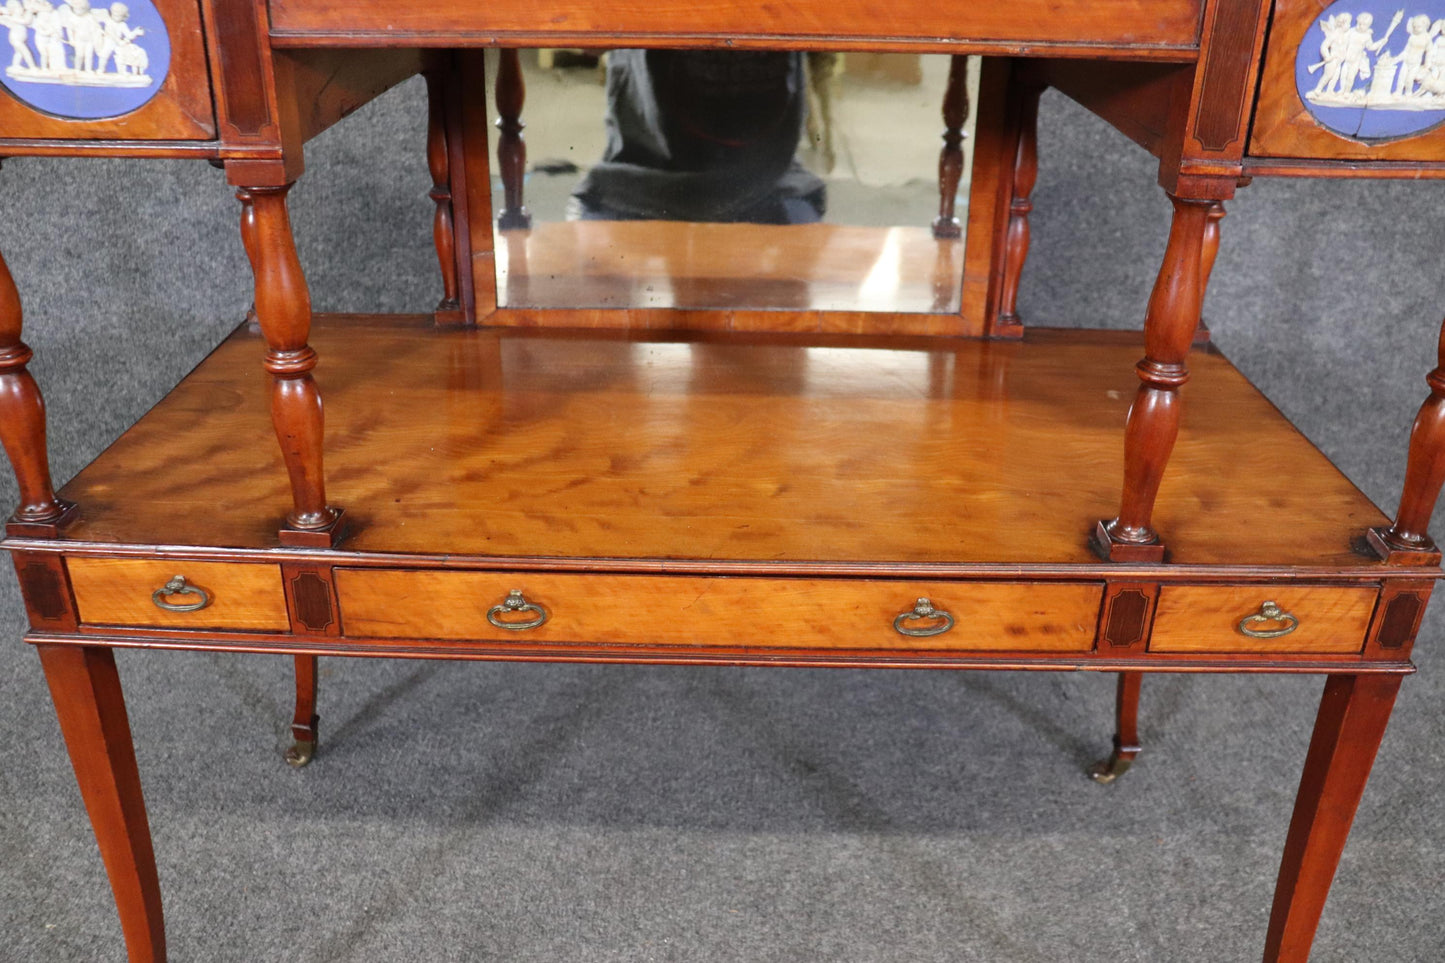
718 611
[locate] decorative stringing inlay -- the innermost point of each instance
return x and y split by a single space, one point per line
72 59
1374 69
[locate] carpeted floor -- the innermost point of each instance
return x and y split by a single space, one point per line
520 813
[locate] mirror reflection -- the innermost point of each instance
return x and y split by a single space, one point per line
731 179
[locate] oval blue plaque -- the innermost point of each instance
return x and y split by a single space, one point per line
1375 69
75 59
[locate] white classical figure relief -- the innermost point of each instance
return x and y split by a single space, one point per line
1356 70
75 44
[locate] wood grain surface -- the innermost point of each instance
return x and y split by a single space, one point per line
1205 618
692 611
110 591
1122 26
715 446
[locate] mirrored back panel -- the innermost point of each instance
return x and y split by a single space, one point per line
723 179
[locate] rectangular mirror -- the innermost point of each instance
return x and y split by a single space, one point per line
731 179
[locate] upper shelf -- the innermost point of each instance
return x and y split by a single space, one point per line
1128 29
866 454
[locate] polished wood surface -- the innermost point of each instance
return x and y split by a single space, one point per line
111 591
615 444
1125 28
91 709
679 264
691 611
1205 618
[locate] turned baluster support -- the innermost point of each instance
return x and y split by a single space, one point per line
449 308
511 148
950 159
1153 422
283 309
22 425
1407 540
1025 176
1206 265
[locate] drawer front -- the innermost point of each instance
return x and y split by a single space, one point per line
1324 94
718 611
153 84
110 591
1206 618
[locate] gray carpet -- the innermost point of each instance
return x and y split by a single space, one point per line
544 813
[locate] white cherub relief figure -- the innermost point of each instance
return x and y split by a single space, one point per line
1412 58
18 20
49 37
130 58
1359 43
1332 52
83 32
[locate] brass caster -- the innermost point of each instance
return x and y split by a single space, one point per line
1109 770
300 753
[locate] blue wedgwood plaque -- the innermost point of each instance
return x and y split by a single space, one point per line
81 59
1375 69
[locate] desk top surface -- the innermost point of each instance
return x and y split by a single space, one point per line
725 449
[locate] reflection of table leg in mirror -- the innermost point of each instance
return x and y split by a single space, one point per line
950 159
1024 110
511 148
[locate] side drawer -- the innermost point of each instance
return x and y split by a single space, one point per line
1207 618
153 83
241 595
719 611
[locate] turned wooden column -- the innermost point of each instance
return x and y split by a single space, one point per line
511 148
91 709
1025 112
283 309
1153 422
1351 722
449 308
950 159
22 425
1206 264
1407 540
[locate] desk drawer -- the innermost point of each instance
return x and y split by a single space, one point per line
216 595
153 85
1206 618
718 611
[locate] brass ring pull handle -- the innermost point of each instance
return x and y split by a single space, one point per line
515 603
178 586
1268 612
923 610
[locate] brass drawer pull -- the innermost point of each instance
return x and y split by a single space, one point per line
923 610
516 603
1268 612
178 586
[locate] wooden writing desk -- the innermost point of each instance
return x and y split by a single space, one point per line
729 485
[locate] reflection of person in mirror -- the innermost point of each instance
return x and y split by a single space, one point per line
18 20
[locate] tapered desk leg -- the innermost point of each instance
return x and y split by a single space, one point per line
1348 730
91 710
1153 421
950 159
283 308
304 723
1126 730
22 425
